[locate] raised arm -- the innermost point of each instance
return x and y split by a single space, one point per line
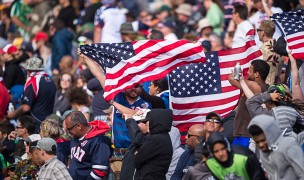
296 88
95 68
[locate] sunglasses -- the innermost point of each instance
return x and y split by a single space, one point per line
144 122
190 135
259 30
70 128
213 120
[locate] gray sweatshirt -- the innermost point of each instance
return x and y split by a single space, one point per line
285 158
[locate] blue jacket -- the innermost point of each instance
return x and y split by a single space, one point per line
185 161
61 46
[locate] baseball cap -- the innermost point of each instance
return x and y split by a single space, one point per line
209 115
27 46
40 36
46 144
9 48
140 115
32 138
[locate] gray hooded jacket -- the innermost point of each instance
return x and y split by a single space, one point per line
285 116
177 150
285 159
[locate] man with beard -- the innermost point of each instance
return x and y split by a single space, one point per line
258 72
234 162
127 102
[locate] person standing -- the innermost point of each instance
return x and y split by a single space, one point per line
39 93
281 156
107 23
90 149
52 167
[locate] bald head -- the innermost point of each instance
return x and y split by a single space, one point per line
197 129
66 62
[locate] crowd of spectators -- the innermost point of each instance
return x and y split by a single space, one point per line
56 124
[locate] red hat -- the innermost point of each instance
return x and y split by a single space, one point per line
40 36
9 48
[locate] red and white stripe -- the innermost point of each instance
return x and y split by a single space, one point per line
153 60
193 110
295 42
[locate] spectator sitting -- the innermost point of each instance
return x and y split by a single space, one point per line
65 83
204 29
187 158
79 100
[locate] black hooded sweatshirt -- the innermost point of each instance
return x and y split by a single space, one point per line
153 158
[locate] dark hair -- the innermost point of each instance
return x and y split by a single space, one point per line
242 10
6 128
261 67
255 130
162 84
78 95
57 24
76 117
28 123
156 34
60 76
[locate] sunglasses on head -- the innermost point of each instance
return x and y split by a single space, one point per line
213 120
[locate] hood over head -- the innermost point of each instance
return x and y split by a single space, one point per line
160 120
218 137
269 126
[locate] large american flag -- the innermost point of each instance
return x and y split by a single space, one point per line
199 88
128 64
291 24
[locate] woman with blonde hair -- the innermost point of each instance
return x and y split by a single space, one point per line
51 128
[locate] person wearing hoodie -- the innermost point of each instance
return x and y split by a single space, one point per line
138 129
61 43
277 105
177 150
236 162
90 149
281 156
153 158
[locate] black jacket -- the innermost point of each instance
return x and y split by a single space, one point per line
13 74
153 158
137 138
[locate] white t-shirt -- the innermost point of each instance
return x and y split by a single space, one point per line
239 38
259 16
171 37
110 20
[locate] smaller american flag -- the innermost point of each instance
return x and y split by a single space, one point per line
131 63
291 24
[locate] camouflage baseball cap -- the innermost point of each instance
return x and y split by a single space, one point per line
34 64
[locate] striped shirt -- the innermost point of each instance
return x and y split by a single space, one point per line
53 169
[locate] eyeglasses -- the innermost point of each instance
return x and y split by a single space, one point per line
259 30
190 135
70 128
213 120
19 127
